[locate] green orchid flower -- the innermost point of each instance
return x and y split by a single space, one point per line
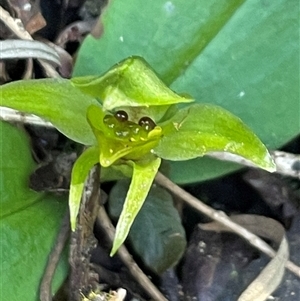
130 121
120 138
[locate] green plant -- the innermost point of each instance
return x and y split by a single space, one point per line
29 220
237 54
130 120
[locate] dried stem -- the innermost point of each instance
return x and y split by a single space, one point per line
221 218
12 115
45 287
135 271
16 26
286 164
83 240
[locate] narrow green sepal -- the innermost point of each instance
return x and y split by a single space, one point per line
80 170
142 178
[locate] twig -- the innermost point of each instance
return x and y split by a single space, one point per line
222 218
45 287
136 272
119 279
12 115
287 164
83 240
16 26
28 69
24 49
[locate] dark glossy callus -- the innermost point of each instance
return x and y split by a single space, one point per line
121 115
147 123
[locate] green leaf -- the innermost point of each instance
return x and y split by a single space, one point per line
241 55
195 169
199 129
55 100
27 237
80 170
156 234
130 83
29 222
142 178
16 164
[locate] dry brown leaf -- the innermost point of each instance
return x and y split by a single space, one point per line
270 277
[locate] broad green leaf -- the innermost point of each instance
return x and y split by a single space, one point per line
55 100
241 55
16 164
186 172
142 178
27 237
80 170
29 222
200 129
130 83
156 234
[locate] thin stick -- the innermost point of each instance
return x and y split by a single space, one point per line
221 218
16 26
83 241
12 115
286 164
135 271
45 287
